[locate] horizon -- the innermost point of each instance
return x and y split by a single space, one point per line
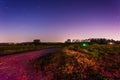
56 41
58 20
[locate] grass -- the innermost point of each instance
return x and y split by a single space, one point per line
15 49
74 62
96 51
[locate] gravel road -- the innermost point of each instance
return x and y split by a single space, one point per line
15 67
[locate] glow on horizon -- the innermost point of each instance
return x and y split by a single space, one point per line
63 36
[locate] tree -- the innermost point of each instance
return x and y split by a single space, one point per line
36 41
68 41
99 40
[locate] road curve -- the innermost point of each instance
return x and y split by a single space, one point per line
15 67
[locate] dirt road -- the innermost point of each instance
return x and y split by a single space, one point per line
15 67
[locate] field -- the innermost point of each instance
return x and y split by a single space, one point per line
78 62
15 49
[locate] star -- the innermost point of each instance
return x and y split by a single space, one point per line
38 7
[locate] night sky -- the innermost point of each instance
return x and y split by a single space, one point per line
58 20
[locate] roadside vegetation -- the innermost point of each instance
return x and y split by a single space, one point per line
15 49
80 62
96 51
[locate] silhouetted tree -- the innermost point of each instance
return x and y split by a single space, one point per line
117 42
99 41
68 41
36 41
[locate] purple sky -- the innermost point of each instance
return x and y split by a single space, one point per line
58 20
